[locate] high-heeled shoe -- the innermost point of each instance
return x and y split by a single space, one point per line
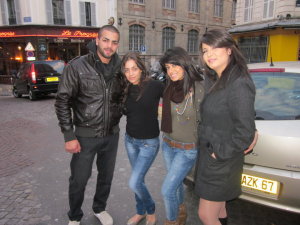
130 222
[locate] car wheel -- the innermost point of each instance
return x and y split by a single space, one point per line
32 95
16 93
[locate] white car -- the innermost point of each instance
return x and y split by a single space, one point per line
271 173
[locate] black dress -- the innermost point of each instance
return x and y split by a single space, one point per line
227 129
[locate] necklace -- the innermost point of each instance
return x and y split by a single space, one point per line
185 106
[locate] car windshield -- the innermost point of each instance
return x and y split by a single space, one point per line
277 95
49 67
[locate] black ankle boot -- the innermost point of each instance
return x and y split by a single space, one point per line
223 221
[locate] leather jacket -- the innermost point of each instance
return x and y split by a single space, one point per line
86 100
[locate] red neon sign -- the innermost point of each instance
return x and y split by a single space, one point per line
7 34
64 33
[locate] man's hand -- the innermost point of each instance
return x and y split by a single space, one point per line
72 146
250 148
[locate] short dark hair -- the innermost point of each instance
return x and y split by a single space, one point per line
109 28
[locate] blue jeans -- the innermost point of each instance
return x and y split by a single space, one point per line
141 154
178 164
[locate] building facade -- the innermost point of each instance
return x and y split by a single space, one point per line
151 27
268 30
56 29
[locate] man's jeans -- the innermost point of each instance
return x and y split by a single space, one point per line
178 164
81 170
141 154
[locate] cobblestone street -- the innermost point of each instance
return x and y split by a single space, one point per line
34 171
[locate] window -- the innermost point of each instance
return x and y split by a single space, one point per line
268 8
193 45
169 4
277 95
248 10
254 48
11 12
136 37
168 38
218 8
58 12
233 10
138 1
87 13
88 18
194 6
297 3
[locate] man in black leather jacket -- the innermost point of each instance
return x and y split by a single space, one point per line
88 107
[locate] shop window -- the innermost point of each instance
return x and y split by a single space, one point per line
136 37
194 6
254 48
87 13
218 10
248 10
268 8
193 41
168 38
168 4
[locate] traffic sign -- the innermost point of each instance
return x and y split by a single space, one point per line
29 47
143 48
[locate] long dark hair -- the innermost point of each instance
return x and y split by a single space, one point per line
144 76
179 56
237 66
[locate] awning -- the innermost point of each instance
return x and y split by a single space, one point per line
286 23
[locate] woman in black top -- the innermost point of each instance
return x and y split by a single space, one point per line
142 96
227 127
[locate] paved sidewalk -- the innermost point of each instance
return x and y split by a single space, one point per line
5 89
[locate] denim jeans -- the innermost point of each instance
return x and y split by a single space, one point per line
178 164
81 169
141 154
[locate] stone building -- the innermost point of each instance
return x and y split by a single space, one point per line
153 26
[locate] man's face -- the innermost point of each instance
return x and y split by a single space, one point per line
107 45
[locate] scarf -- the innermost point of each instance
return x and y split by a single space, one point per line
174 93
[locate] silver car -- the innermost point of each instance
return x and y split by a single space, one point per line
271 173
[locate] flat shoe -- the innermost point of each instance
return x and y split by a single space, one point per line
150 223
136 222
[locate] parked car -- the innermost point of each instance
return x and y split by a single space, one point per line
37 78
271 173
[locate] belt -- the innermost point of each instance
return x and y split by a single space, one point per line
175 144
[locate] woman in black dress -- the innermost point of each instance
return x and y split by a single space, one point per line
227 128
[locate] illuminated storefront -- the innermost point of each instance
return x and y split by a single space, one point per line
49 43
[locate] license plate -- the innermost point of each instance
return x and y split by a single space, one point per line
52 79
261 184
